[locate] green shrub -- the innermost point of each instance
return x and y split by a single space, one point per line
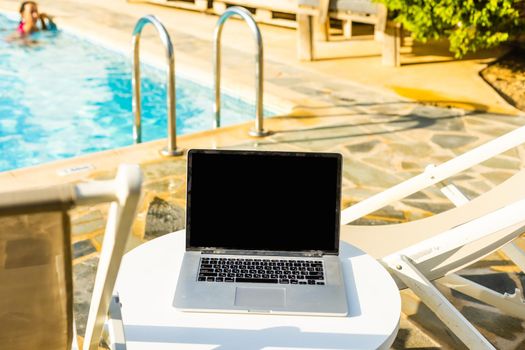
469 25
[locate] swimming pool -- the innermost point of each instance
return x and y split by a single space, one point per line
66 97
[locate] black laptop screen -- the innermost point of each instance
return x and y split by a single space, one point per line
269 201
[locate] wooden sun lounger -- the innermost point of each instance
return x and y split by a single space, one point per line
276 12
196 5
314 15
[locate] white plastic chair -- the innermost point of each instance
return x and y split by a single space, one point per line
36 306
432 249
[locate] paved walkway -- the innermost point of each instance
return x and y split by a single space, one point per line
383 137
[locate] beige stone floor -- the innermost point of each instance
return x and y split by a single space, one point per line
344 105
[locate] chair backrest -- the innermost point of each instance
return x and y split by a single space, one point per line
36 294
448 241
35 281
377 240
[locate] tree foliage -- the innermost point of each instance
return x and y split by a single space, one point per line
469 24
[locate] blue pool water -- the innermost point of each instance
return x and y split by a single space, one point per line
65 97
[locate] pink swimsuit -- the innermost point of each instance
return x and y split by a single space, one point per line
20 28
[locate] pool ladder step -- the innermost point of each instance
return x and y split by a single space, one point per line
171 148
258 130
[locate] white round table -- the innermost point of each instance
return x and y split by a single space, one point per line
146 285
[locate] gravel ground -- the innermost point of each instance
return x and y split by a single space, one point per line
507 76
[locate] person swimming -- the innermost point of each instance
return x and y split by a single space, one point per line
29 18
31 22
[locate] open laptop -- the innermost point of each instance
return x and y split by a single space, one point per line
262 233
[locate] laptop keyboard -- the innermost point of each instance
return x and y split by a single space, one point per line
280 271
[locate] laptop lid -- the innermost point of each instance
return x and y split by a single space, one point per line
260 202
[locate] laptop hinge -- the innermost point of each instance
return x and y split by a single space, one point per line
311 253
314 253
213 251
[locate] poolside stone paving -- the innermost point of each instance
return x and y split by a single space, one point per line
383 138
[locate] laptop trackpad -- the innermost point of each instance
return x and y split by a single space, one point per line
260 297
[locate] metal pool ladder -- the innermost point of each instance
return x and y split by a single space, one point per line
171 149
247 17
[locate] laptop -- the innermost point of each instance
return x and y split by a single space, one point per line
262 234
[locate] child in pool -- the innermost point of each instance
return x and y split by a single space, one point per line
29 18
29 24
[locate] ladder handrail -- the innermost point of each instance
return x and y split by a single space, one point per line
171 149
259 67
